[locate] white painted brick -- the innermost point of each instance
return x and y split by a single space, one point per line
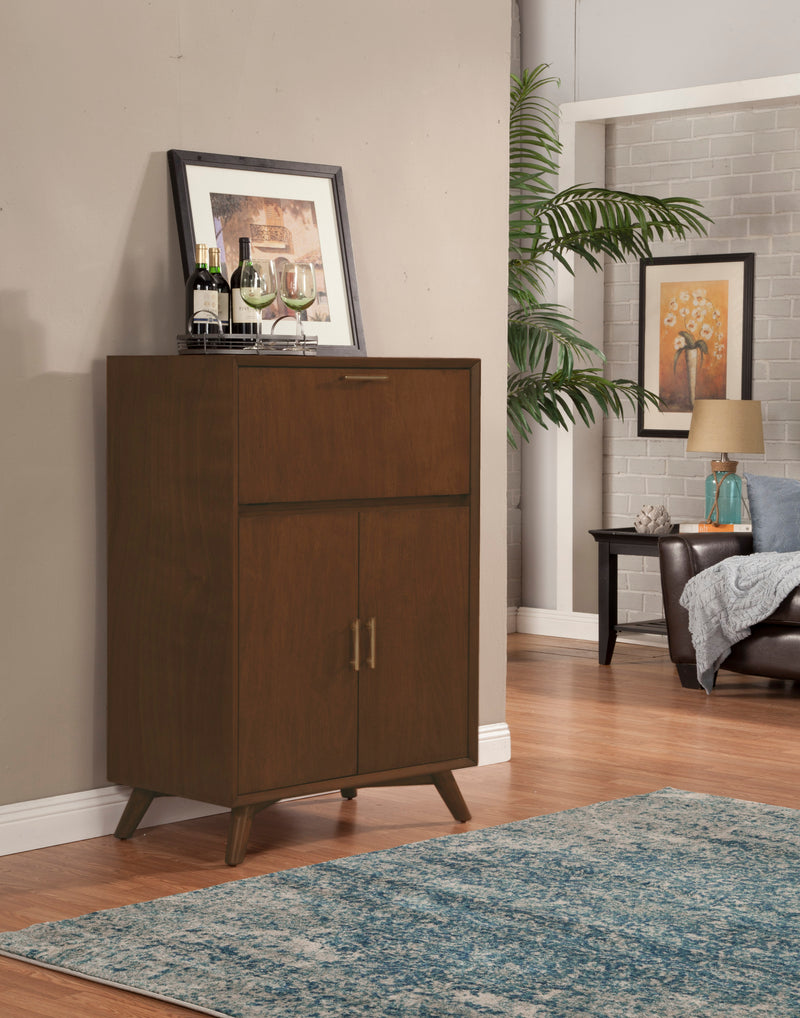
779 328
721 123
645 582
786 160
730 185
698 189
633 133
791 430
780 409
772 183
696 148
625 177
755 120
787 202
774 307
783 285
752 204
778 264
648 466
757 164
657 152
669 130
666 486
630 601
774 141
769 225
732 145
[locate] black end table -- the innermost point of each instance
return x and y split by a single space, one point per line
611 544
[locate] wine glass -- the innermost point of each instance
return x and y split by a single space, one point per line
298 290
258 285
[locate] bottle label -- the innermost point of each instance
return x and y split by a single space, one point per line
240 311
206 300
223 308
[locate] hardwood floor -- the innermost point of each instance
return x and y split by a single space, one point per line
580 733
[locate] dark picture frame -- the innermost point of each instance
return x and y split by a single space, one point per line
695 335
293 210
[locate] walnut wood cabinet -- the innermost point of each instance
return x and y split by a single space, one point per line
292 578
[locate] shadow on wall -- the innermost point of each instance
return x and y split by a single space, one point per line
52 518
51 597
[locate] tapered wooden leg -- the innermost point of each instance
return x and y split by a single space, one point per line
138 803
448 789
349 793
239 833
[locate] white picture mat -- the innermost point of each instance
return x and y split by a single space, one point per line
732 272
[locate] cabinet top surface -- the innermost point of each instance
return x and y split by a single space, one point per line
317 361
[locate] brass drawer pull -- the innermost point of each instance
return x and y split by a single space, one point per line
365 378
355 629
372 630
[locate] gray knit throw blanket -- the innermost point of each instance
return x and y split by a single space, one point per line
726 599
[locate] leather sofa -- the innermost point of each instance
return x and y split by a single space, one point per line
773 647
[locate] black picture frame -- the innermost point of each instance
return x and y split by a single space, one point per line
211 190
709 334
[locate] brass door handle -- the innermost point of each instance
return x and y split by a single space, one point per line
365 378
372 629
355 630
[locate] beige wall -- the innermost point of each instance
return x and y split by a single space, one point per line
408 96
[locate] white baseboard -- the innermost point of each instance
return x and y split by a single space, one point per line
494 744
574 626
60 819
548 622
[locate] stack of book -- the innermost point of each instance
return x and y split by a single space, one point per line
714 528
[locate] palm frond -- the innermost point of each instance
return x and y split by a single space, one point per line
556 377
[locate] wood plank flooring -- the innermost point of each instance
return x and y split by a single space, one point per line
580 733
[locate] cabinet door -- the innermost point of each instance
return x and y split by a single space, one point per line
297 689
414 582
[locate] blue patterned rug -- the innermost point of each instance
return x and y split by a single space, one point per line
668 905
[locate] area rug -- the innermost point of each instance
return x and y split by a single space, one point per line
667 905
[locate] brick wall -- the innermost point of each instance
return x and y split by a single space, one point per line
743 163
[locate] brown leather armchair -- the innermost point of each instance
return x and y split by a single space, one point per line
773 647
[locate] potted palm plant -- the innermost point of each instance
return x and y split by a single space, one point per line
554 372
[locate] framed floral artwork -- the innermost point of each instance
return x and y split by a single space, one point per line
695 335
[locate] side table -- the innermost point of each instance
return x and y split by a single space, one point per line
611 544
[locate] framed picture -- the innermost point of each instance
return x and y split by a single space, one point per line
291 212
695 335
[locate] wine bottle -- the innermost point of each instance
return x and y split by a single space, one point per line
223 290
201 294
244 319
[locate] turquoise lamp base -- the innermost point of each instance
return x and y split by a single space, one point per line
728 507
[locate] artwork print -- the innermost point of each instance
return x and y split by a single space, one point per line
281 229
693 344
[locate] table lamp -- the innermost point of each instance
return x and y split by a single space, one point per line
725 424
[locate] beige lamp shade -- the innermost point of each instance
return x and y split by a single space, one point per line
726 425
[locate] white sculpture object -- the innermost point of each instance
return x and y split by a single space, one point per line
653 519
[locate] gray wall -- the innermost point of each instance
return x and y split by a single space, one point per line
97 92
623 47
